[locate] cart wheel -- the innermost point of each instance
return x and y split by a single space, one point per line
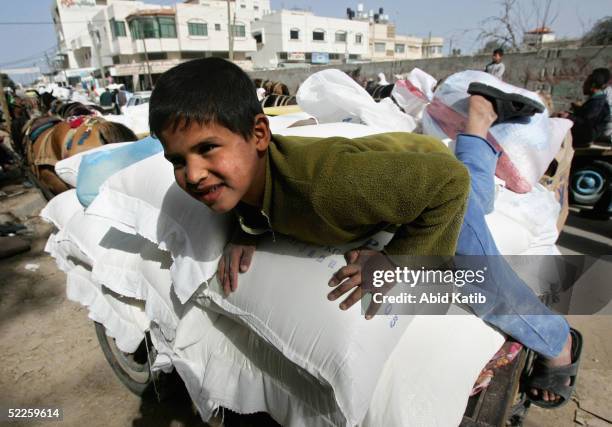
591 182
133 369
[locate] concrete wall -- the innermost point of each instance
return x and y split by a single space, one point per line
558 71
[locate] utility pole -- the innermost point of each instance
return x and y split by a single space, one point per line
346 52
230 31
144 44
95 39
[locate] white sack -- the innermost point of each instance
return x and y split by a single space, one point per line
134 267
224 364
414 92
61 208
144 199
528 144
283 298
134 117
68 169
332 96
283 121
522 222
122 318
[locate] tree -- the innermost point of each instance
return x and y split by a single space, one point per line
600 34
515 18
491 45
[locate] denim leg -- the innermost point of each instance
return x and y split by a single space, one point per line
511 305
481 160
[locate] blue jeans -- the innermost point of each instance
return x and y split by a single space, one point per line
511 305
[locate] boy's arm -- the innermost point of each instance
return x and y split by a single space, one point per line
424 193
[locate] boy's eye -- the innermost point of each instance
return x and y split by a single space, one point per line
205 148
176 162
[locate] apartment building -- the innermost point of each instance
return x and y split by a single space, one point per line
134 42
292 37
386 45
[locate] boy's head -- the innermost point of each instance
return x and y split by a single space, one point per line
206 114
498 54
597 80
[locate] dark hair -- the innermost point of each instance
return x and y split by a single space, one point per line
208 90
499 51
600 78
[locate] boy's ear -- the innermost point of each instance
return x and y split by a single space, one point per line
261 132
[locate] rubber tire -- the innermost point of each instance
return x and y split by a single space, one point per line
141 387
599 170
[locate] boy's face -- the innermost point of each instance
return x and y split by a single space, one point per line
497 58
216 166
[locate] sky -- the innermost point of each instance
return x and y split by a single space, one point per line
455 20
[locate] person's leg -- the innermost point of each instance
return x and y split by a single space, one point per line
511 305
481 160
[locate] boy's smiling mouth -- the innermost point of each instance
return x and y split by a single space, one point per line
209 194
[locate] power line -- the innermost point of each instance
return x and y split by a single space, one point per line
30 58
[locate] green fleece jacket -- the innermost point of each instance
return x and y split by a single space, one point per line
332 191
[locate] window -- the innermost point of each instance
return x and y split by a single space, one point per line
197 29
117 28
294 34
400 48
167 28
153 28
217 27
243 6
255 7
239 30
341 36
144 28
318 35
258 38
358 38
379 47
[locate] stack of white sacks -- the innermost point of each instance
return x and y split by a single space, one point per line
142 257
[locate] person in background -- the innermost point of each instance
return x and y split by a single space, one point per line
608 132
592 117
122 98
116 109
106 99
496 67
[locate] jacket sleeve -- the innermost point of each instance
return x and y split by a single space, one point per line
587 114
424 193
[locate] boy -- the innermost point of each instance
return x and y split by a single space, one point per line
591 118
334 191
496 67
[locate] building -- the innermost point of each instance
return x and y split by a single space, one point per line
292 37
134 42
70 18
534 39
386 45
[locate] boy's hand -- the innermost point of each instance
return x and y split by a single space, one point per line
352 276
236 257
